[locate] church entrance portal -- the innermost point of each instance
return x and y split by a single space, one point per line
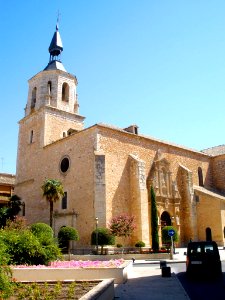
165 219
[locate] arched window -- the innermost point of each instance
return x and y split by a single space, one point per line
208 233
65 92
33 99
200 177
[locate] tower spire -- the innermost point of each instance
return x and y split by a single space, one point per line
56 46
55 49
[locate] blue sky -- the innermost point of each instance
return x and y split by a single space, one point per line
158 64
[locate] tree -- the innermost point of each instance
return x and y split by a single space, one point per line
154 221
52 191
122 225
166 239
10 211
65 235
14 207
105 237
3 216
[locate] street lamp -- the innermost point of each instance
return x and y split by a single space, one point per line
96 230
172 248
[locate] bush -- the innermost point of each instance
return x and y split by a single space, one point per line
119 245
5 272
43 232
24 247
140 244
65 235
166 239
45 235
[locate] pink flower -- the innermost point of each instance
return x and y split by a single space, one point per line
78 264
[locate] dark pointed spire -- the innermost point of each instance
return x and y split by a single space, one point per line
55 50
56 46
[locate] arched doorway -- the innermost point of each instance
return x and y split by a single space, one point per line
165 219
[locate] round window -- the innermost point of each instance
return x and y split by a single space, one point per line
65 164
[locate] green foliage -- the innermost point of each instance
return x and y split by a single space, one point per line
122 225
3 216
24 247
66 234
140 244
11 211
154 221
52 191
165 236
104 237
43 232
119 245
14 207
45 235
5 272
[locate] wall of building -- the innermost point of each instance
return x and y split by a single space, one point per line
210 214
219 172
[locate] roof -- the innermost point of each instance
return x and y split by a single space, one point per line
208 192
149 138
55 50
214 151
56 46
7 179
55 65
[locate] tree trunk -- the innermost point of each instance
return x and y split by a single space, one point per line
51 214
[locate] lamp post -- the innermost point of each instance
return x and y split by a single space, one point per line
96 223
172 241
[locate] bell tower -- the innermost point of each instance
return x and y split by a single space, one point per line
52 109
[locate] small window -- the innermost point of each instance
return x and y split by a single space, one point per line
65 164
33 99
64 201
49 87
65 92
31 136
200 177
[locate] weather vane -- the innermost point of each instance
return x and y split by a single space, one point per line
57 24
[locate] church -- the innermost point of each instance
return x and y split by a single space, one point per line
107 171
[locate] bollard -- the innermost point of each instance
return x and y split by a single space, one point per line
166 272
162 264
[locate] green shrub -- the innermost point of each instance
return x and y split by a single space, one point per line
24 247
166 239
119 245
43 232
140 244
105 237
65 235
5 272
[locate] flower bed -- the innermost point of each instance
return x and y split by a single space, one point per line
79 264
74 270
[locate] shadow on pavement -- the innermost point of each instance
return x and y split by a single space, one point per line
203 287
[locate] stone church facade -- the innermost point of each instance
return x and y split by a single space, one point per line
107 171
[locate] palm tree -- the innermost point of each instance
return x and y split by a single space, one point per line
52 191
